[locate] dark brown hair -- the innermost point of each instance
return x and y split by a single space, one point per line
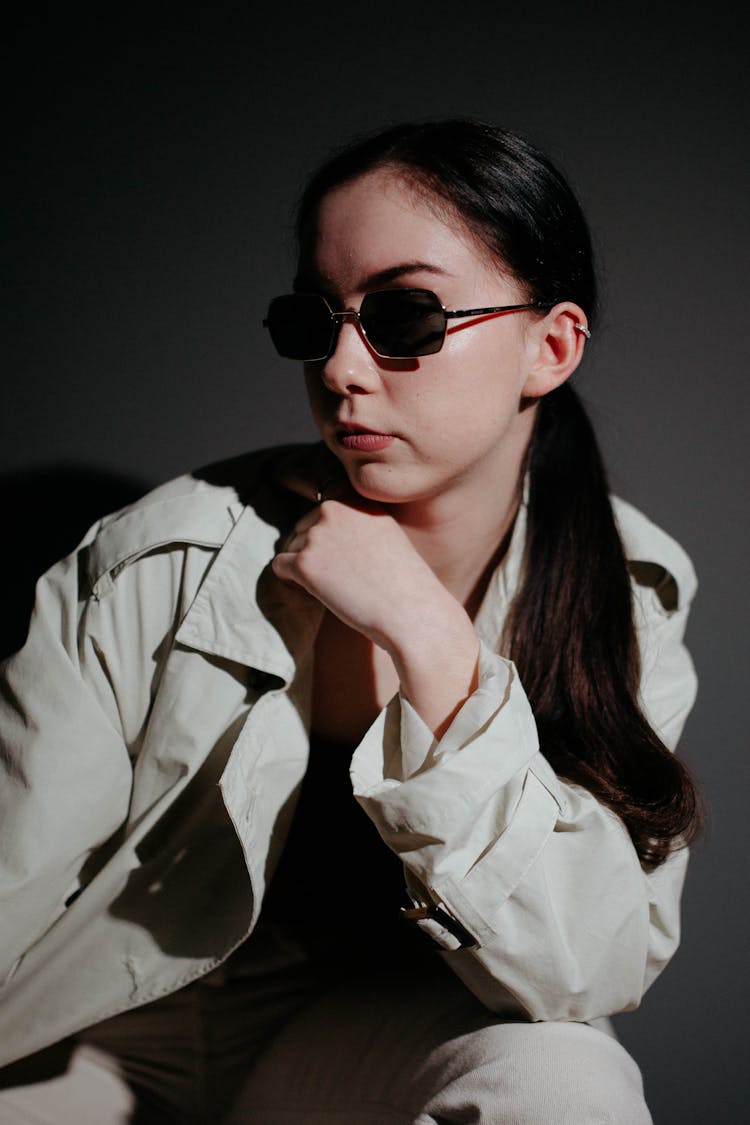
570 630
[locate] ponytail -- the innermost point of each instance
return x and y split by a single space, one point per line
571 635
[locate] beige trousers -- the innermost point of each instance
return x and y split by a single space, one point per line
281 1048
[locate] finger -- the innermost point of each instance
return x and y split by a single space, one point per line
284 566
294 542
304 523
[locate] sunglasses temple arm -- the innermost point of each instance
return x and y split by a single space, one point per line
493 309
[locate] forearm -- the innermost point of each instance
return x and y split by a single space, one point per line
436 659
544 879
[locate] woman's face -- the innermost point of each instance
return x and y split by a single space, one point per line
411 430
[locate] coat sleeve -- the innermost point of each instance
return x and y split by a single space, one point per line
73 708
543 908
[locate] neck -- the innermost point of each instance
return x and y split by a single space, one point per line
463 536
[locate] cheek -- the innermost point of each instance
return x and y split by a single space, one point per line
493 379
479 391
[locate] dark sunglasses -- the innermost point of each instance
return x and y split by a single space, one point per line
397 323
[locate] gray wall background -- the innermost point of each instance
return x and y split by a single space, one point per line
153 169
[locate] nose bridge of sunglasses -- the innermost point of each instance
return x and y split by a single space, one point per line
340 318
341 315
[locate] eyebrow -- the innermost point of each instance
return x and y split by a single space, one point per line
305 281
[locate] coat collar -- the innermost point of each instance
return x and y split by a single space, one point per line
490 619
243 613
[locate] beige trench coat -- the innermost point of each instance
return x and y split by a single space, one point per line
154 735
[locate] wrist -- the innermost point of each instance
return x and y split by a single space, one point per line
436 659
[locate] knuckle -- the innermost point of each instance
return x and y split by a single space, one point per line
305 564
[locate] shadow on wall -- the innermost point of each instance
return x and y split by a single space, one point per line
46 512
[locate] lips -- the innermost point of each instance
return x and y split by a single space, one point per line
353 436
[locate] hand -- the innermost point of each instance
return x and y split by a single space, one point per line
356 559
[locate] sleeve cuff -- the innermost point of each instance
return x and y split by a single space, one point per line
400 745
437 803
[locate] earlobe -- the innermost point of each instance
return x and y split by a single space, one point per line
558 341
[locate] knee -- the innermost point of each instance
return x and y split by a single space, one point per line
531 1074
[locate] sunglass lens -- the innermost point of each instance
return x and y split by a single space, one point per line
403 323
301 326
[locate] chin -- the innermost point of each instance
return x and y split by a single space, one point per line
386 485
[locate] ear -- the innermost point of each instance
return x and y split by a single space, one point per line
557 343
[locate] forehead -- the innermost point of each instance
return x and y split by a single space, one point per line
367 226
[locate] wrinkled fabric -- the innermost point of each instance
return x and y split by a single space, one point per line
154 737
414 1049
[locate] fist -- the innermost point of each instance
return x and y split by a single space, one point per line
358 562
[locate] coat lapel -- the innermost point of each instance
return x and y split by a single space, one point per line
244 614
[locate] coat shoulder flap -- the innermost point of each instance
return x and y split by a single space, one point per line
655 559
198 509
184 511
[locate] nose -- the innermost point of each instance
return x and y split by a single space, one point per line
351 368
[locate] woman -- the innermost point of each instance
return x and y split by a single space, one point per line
182 838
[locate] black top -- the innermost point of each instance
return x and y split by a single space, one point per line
337 887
